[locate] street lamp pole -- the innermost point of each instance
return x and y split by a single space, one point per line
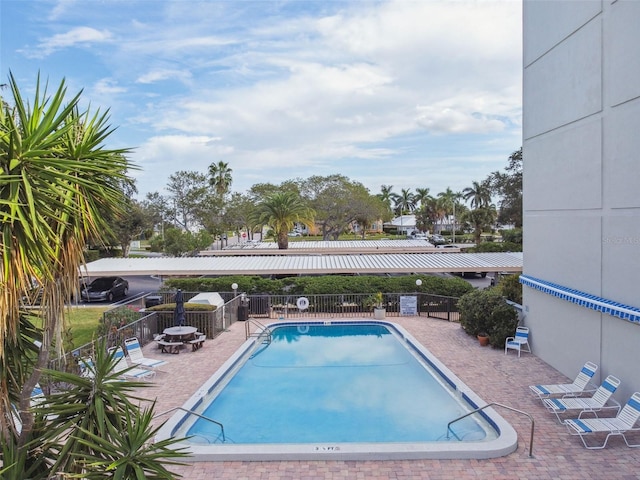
418 283
454 221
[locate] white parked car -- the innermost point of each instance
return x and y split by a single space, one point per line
437 239
417 236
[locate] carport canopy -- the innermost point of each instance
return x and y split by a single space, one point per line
309 264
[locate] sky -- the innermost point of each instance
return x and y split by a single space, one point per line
410 94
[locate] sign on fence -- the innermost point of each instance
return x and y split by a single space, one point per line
408 305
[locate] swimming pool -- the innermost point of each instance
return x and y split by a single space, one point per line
337 390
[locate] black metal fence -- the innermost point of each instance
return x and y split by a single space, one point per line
146 325
350 306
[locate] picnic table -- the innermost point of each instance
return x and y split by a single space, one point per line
175 337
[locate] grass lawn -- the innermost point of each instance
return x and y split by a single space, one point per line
83 322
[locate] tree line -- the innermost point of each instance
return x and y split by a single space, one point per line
201 206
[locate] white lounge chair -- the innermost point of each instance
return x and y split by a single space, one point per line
134 350
519 342
37 396
582 384
87 368
601 400
620 425
122 367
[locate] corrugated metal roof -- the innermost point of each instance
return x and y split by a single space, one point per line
316 247
309 264
331 245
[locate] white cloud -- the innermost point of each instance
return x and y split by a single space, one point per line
159 75
61 8
74 37
107 86
285 89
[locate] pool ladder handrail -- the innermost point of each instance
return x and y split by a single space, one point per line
191 412
498 405
266 331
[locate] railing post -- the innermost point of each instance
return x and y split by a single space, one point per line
503 406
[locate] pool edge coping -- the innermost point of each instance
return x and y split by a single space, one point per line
505 443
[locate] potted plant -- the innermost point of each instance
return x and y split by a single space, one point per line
483 338
379 311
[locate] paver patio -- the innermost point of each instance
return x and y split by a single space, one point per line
492 375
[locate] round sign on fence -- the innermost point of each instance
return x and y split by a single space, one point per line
302 303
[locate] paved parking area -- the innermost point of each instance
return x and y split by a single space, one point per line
492 375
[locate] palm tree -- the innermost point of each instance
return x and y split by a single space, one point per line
220 177
479 194
480 219
281 211
440 212
404 201
449 200
422 196
386 195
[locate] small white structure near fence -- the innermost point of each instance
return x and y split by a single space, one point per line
208 298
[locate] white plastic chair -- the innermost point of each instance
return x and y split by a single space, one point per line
87 368
519 342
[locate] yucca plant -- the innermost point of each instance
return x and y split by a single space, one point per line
58 183
127 452
95 423
95 428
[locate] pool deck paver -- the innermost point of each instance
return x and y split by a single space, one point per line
494 376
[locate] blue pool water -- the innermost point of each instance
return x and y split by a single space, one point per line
349 390
334 383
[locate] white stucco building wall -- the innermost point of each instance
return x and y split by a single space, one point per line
581 147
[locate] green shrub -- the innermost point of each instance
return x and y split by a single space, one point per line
116 318
486 311
475 308
503 322
91 255
511 288
251 284
496 247
326 284
189 307
156 244
513 235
